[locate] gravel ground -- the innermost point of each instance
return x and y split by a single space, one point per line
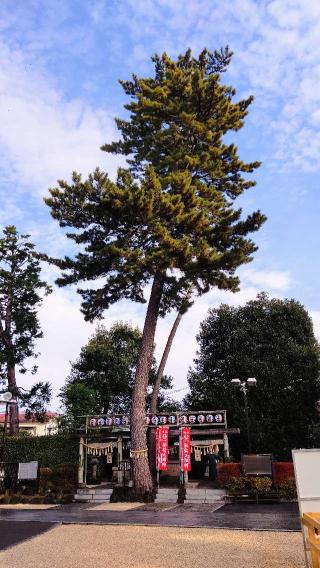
74 546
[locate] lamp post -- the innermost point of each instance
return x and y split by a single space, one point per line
244 387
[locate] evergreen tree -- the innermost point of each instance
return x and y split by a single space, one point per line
170 219
36 400
20 297
273 341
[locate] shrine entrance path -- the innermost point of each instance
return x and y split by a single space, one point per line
272 517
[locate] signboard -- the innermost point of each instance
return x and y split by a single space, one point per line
257 464
162 447
307 474
185 449
124 465
28 470
205 418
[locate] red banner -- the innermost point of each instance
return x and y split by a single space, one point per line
185 449
162 445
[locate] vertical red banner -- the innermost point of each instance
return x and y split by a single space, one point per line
185 449
162 446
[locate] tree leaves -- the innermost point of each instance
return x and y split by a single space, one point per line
271 340
173 209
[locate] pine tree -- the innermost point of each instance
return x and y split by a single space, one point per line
168 220
20 296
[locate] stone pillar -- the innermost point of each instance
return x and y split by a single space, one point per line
81 462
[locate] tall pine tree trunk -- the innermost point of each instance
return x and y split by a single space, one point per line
163 362
14 408
155 392
140 465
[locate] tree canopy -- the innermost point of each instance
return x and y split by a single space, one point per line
170 218
273 341
102 378
21 291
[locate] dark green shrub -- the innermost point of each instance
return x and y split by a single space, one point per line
235 484
64 475
49 451
288 490
262 485
45 478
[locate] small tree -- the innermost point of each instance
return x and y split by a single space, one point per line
20 297
170 221
272 340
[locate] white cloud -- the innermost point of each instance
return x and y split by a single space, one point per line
65 332
315 315
277 51
43 136
267 280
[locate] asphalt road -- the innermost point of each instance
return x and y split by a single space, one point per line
282 516
15 532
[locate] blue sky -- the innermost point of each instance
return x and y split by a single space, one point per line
59 91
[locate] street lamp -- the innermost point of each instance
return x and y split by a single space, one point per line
244 387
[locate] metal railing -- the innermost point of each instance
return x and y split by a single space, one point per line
311 521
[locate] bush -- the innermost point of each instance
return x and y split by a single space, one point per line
235 484
226 471
282 472
45 478
288 490
260 484
64 476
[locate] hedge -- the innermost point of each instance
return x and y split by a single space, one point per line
49 451
227 470
282 472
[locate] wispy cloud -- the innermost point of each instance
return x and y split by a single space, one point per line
269 280
43 136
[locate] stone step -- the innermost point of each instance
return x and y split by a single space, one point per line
94 491
164 491
93 498
165 500
83 497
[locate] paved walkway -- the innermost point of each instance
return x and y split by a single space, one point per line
75 546
283 517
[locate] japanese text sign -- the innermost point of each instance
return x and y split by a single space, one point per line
162 445
185 449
